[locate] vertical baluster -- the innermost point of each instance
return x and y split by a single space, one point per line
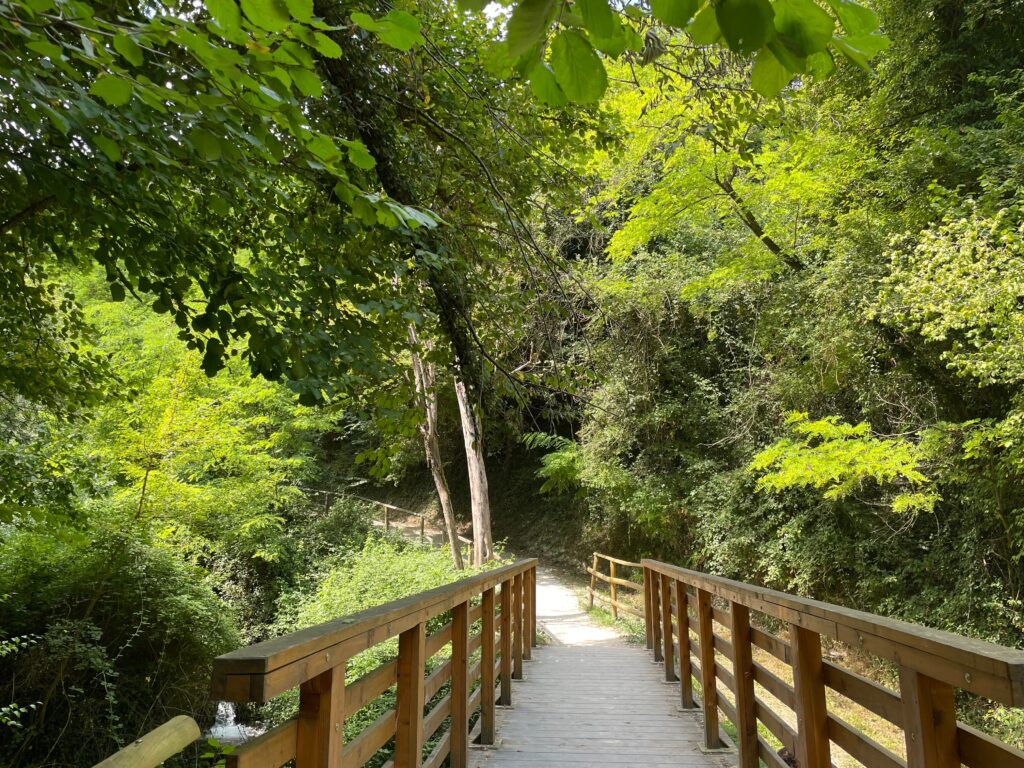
533 606
506 643
614 589
409 703
648 612
743 679
809 685
656 598
517 627
707 669
321 722
666 629
593 578
685 665
528 632
929 721
459 740
487 668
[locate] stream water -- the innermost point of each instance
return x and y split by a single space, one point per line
227 730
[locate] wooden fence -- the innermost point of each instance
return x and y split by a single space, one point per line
493 612
615 582
683 608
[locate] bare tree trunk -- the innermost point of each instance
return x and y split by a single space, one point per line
425 393
472 433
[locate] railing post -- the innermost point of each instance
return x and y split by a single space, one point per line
809 691
409 702
707 669
532 606
528 608
459 740
929 721
517 628
666 630
593 579
685 665
423 532
743 678
648 609
387 519
614 589
487 667
506 642
656 598
321 723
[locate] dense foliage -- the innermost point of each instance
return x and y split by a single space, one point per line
738 282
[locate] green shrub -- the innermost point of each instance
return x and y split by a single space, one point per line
126 634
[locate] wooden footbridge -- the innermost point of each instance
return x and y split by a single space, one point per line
742 678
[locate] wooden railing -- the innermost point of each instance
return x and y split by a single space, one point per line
155 747
433 702
683 609
614 581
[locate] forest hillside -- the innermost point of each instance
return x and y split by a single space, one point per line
736 284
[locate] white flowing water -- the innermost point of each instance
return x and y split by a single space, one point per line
227 730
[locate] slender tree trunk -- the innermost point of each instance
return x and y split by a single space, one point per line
424 377
472 433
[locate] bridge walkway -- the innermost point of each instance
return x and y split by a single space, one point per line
589 698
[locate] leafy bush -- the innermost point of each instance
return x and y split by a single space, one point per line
126 634
386 568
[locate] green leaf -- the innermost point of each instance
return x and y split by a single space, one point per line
271 15
472 5
326 46
116 91
46 48
545 88
398 29
674 13
803 26
746 24
129 49
615 44
206 144
769 77
307 82
856 19
300 9
225 13
528 25
704 29
821 65
109 147
860 49
359 155
323 147
577 68
597 17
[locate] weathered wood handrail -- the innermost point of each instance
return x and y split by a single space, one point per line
681 617
614 582
315 659
155 747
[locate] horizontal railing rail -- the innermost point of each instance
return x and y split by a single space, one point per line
683 609
155 747
614 581
491 616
